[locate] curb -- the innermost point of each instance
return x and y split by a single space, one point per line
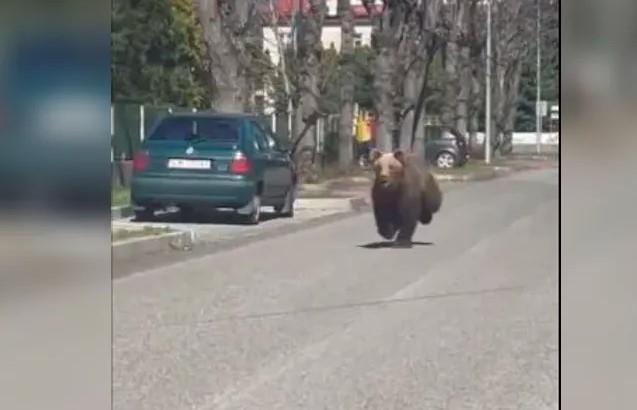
475 176
165 254
120 212
130 248
359 204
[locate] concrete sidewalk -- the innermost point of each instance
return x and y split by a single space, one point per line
208 233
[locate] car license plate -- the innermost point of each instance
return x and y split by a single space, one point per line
189 164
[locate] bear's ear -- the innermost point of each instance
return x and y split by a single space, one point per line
374 155
400 156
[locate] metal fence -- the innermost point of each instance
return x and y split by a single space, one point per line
131 124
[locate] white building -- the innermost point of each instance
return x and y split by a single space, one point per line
331 33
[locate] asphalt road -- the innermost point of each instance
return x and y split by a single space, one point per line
327 318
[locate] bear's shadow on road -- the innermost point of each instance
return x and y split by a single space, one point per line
390 245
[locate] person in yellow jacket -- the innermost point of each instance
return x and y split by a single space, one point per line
363 137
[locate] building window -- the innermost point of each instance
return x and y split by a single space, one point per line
358 39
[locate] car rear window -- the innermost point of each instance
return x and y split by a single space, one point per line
185 128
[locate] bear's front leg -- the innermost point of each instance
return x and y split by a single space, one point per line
387 231
406 232
425 214
385 217
409 220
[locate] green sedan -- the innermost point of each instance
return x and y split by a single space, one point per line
213 161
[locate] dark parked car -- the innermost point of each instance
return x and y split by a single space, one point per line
446 147
215 161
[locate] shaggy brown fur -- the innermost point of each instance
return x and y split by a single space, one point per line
404 193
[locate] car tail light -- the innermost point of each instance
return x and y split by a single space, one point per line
140 161
240 164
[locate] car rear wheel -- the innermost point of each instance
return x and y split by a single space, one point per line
251 213
286 210
187 213
144 214
445 160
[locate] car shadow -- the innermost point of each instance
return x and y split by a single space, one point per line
206 218
390 244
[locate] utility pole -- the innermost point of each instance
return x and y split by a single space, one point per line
487 116
538 109
293 114
296 8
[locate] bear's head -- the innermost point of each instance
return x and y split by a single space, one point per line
389 167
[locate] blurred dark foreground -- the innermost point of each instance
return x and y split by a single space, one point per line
54 205
55 123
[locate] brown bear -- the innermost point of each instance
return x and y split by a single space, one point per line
404 193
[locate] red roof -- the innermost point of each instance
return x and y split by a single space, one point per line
285 8
360 10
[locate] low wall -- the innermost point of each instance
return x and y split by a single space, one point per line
532 148
528 138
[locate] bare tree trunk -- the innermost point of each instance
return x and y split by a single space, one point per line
384 69
475 36
297 121
401 31
416 120
474 148
419 138
384 80
309 103
418 125
409 73
450 97
476 103
229 53
345 151
457 64
310 52
510 108
410 94
464 92
454 12
383 86
283 69
310 65
499 107
514 21
428 44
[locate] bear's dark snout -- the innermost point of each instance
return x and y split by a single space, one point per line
382 180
